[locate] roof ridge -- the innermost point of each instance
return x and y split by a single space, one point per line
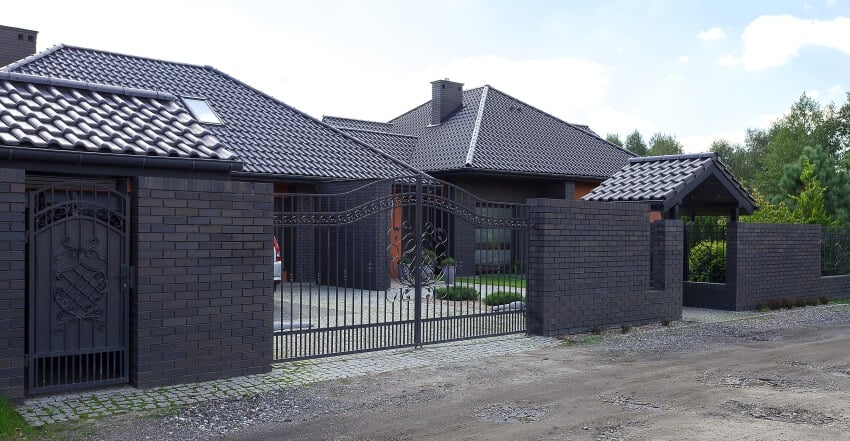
426 102
703 155
332 128
31 58
356 119
352 129
571 125
476 129
85 85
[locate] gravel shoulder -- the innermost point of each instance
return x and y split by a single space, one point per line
772 376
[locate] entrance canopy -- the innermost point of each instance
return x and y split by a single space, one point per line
694 185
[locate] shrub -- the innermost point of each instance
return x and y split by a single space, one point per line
448 261
665 321
800 303
774 304
503 298
596 330
517 267
707 262
456 293
625 329
811 302
824 299
787 303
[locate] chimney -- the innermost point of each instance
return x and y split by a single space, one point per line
446 98
16 44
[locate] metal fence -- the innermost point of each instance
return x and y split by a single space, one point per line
705 252
395 263
835 251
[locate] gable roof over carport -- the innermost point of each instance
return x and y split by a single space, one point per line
693 184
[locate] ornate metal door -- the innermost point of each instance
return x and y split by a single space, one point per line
78 291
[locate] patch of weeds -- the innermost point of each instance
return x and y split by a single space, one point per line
787 303
172 409
12 424
812 302
503 298
456 293
824 299
625 329
596 330
774 304
762 308
665 321
800 303
841 302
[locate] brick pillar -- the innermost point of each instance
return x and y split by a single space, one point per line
668 270
203 303
12 284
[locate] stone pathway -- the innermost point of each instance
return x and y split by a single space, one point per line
113 401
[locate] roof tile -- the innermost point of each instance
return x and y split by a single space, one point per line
269 136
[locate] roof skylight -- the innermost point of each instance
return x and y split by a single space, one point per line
202 111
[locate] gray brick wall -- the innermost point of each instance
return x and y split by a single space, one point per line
768 261
590 266
836 287
12 284
202 308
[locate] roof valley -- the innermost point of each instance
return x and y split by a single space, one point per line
476 129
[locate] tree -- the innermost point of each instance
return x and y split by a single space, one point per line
824 172
635 144
807 123
738 158
614 138
809 207
662 144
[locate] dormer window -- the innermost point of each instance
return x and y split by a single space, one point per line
202 111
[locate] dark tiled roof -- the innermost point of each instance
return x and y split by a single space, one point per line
67 115
494 131
667 180
357 124
395 145
268 136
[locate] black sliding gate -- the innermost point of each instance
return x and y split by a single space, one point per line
77 299
396 263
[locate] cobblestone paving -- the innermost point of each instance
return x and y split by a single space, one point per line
103 402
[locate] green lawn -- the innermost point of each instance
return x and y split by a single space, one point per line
842 301
12 424
507 280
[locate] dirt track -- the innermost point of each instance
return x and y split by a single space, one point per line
783 376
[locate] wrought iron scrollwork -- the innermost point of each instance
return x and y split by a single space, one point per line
402 252
79 284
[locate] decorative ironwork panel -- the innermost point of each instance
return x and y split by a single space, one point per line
78 289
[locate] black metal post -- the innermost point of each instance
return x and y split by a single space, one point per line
417 267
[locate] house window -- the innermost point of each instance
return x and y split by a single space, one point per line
202 111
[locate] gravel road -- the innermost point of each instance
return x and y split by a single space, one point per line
774 376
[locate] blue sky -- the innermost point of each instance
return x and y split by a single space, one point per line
696 69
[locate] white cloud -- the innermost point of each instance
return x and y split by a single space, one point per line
729 60
714 33
684 59
771 41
